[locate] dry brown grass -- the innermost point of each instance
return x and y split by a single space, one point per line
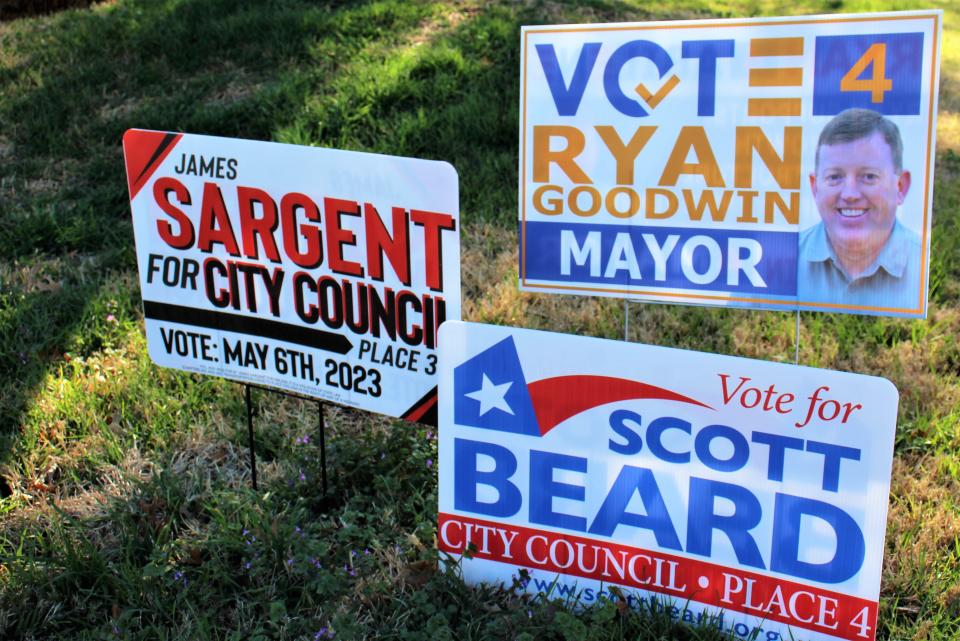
490 292
923 528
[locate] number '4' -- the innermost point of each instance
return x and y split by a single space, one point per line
877 84
860 621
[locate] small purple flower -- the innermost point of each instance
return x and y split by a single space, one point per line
246 565
429 463
366 551
111 318
382 456
303 477
429 434
289 562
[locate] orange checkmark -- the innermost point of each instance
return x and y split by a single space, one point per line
653 99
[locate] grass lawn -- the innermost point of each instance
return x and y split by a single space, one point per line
126 507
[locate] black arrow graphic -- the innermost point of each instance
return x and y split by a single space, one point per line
253 326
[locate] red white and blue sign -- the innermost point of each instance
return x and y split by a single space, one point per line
745 494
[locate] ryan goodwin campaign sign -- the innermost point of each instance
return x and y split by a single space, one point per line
678 161
745 494
317 271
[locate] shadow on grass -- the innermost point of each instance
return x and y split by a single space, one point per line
71 84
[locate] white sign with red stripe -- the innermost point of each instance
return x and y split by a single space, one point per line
746 494
318 271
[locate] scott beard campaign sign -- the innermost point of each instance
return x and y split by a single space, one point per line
746 494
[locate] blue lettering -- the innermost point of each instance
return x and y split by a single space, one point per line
788 511
624 54
567 98
467 477
702 520
618 422
543 488
741 449
707 51
832 454
613 512
655 433
778 444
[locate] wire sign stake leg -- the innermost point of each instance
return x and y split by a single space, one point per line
323 448
253 456
626 320
321 424
796 341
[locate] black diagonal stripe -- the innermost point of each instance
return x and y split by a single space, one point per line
166 142
328 341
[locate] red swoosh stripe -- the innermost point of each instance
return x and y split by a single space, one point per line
557 399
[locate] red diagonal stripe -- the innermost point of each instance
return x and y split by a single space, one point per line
419 410
557 399
143 152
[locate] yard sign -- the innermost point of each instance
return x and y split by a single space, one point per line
671 161
745 494
317 271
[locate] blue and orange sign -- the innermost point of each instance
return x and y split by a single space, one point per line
679 161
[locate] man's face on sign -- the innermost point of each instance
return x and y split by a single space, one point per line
857 190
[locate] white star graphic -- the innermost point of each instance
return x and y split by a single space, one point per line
491 396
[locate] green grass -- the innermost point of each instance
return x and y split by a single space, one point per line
128 511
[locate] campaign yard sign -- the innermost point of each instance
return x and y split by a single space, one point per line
751 162
746 494
317 271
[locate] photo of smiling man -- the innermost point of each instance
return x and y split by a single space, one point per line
860 253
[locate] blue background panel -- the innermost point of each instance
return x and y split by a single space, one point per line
836 55
540 243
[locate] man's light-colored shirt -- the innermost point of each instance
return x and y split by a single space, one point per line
892 281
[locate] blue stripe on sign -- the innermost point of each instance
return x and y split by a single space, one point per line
719 260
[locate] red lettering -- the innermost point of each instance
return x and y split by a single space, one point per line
433 223
312 255
251 226
214 222
184 237
728 396
337 236
379 243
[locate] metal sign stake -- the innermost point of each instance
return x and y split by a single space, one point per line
796 341
321 423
